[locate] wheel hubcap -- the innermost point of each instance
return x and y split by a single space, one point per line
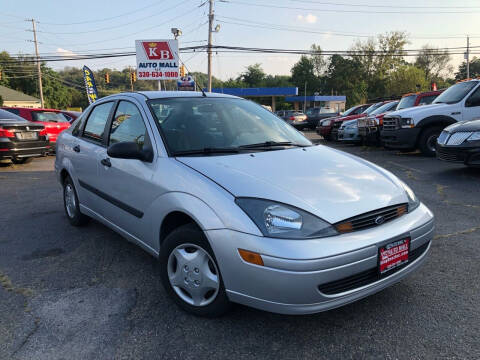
70 202
193 275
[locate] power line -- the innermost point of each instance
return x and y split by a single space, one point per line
423 13
385 6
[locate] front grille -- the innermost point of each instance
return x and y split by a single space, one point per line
458 138
372 218
368 276
337 124
390 124
446 155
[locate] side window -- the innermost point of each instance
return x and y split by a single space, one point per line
95 127
427 100
13 111
474 99
128 125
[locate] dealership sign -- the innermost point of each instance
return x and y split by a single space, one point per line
157 59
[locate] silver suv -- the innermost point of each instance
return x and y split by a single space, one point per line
237 205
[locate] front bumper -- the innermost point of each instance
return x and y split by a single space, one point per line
348 135
295 270
23 149
400 138
465 154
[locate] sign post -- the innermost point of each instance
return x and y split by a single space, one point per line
157 59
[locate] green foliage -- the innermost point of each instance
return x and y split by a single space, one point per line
405 79
254 76
1 100
433 62
474 69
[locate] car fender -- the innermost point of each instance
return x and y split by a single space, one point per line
436 120
204 216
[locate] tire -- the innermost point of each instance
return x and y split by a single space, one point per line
428 140
24 160
71 204
194 282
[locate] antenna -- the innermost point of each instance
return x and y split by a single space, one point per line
201 87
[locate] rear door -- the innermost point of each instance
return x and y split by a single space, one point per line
128 183
84 154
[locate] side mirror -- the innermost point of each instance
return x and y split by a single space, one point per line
129 150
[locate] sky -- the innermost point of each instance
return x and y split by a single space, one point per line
70 27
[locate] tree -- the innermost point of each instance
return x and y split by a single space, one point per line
304 72
319 63
345 77
474 69
254 75
407 78
434 62
378 58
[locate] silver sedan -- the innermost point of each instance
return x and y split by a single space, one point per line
237 205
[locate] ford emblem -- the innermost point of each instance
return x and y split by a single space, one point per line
379 220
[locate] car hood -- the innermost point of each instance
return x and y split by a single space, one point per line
325 182
471 125
422 111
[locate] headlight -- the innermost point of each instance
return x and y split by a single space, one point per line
327 123
474 137
283 221
413 201
406 123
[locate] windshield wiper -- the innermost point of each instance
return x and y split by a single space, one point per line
206 151
268 144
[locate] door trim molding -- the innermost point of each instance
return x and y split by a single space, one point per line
125 207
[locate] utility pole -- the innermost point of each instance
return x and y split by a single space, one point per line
39 69
209 49
468 57
305 99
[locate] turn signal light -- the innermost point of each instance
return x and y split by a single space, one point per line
402 210
344 227
251 257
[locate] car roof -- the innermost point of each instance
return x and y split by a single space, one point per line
139 95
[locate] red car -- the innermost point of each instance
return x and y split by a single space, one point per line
325 127
53 120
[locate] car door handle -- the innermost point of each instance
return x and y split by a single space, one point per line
76 148
106 162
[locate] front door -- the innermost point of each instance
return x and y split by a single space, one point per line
85 152
128 183
472 106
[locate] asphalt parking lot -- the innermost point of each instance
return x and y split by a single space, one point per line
85 293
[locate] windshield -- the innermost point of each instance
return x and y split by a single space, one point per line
48 116
406 102
219 123
372 108
349 111
384 108
455 93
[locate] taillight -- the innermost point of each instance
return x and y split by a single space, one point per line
6 133
292 118
43 132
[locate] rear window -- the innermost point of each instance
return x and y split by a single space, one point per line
48 116
5 114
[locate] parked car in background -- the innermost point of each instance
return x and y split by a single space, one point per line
71 115
53 120
21 140
293 117
417 99
348 132
211 202
460 143
419 127
368 127
338 122
324 127
314 115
